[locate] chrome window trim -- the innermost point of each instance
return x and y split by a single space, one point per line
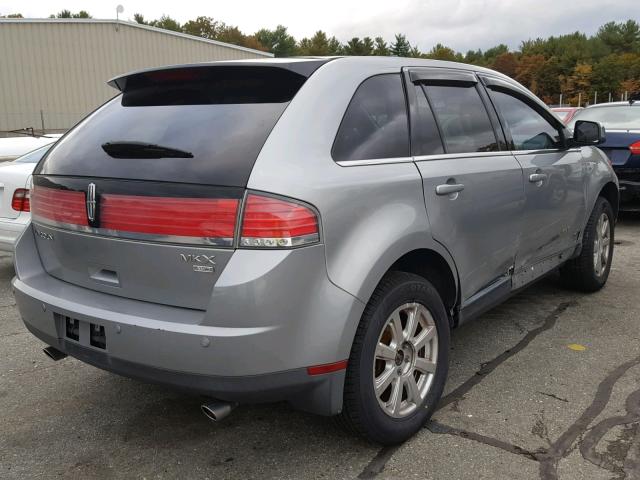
374 161
451 156
542 152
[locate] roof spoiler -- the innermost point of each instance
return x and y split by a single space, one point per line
303 67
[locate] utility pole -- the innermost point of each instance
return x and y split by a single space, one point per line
609 97
579 98
595 97
560 99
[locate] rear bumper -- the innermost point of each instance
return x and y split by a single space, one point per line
253 344
318 394
10 230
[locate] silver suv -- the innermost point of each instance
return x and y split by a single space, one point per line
306 230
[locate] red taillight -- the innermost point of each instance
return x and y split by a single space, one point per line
212 219
21 200
59 206
635 148
327 368
269 222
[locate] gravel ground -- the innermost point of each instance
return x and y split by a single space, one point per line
545 386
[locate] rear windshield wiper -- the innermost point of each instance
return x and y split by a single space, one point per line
142 150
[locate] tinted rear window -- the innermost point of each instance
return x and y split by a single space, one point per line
221 115
612 117
463 119
375 124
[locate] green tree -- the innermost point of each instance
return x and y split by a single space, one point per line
319 44
12 15
474 56
167 23
441 52
205 27
491 54
139 18
277 41
415 52
401 47
354 47
621 37
67 14
335 47
381 48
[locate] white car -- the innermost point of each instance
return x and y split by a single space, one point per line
15 211
13 147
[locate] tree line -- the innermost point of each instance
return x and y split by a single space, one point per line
581 68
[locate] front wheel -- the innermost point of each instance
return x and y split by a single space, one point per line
589 271
399 360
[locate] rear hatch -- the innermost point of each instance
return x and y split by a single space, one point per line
618 147
141 199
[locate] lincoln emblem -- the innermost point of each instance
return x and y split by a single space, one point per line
91 202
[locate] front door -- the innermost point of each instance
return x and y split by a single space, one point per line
553 178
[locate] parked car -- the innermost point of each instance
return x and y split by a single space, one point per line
274 230
566 113
622 123
15 197
14 147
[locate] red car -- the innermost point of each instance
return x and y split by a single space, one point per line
566 113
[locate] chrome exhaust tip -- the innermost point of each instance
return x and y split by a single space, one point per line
217 411
54 354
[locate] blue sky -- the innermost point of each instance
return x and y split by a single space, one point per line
460 24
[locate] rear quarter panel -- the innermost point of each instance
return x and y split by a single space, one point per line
371 214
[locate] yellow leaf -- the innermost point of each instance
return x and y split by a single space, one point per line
576 347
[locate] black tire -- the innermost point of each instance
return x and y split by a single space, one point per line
361 410
580 272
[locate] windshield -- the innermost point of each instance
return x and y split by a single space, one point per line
624 117
34 156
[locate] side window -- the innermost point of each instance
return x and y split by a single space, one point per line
426 136
375 124
529 130
463 119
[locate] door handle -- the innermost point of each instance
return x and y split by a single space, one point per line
537 177
449 188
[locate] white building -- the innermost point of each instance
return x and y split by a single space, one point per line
53 72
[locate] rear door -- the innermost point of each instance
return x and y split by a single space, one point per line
554 177
141 199
473 189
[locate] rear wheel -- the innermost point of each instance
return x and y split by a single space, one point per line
399 360
589 271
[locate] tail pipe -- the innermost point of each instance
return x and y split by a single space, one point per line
217 411
54 354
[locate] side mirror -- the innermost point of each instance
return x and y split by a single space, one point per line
588 133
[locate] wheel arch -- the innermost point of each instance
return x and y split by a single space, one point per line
612 194
433 267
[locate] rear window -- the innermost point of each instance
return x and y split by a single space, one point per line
375 124
623 117
220 116
462 118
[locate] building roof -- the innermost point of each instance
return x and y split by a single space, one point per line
134 25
